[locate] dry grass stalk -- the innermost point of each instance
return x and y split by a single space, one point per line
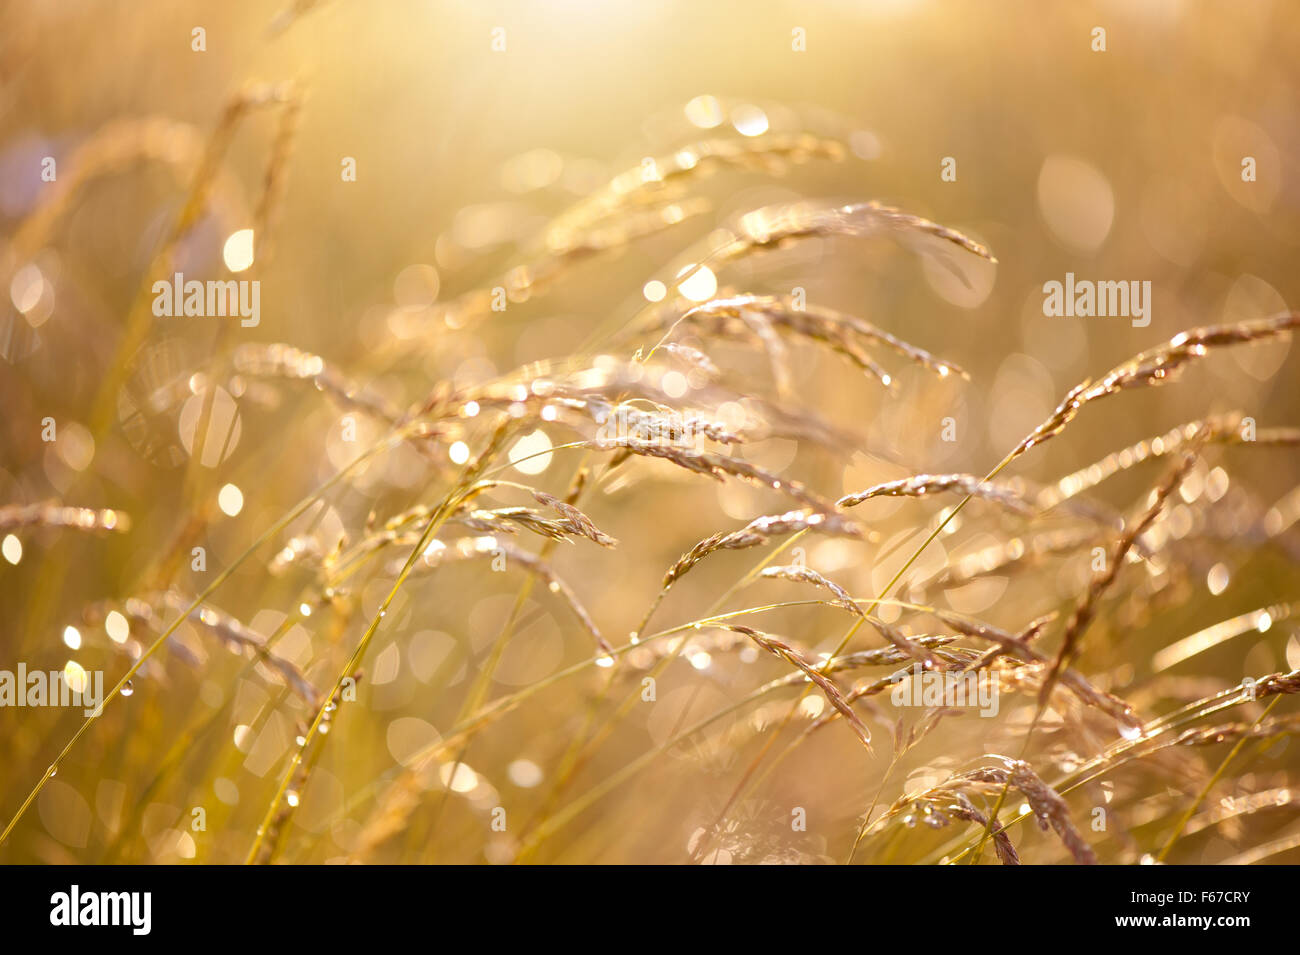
18 516
716 466
1087 608
602 391
1018 646
285 361
774 225
963 808
922 485
842 599
1210 735
1047 805
757 532
694 358
575 522
1278 683
229 631
632 206
843 334
490 548
398 531
588 390
649 182
824 683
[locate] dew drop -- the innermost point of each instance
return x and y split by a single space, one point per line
128 689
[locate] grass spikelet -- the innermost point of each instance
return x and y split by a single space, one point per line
1157 366
773 225
807 575
1087 608
716 466
1256 621
285 361
757 532
240 638
844 334
1047 805
824 683
963 808
575 522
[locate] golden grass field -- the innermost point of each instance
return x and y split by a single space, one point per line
599 433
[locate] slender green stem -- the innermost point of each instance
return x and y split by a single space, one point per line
1211 783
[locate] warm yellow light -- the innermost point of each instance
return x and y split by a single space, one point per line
231 500
238 250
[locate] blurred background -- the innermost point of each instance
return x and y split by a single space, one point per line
472 125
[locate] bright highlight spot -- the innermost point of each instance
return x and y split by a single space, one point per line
812 706
72 638
26 288
230 500
117 626
674 384
237 253
533 443
75 675
12 548
458 452
700 286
